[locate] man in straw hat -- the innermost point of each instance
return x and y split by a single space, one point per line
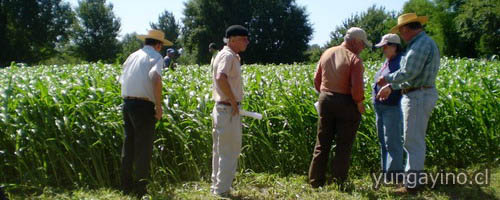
417 80
339 79
227 94
141 92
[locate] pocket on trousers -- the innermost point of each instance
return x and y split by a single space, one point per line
221 117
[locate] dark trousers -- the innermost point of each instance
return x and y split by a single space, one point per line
139 124
2 195
339 118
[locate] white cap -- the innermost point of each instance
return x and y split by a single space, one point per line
358 33
388 38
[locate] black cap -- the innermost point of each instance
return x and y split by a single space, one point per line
236 30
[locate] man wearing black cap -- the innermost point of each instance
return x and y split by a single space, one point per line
227 94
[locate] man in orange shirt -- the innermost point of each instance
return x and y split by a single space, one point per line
339 79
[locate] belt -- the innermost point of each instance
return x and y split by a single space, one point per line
408 90
136 98
336 94
226 103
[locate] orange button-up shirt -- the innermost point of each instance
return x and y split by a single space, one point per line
340 70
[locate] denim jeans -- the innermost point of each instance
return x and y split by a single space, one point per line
226 149
417 109
389 119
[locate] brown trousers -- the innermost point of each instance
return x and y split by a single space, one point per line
339 118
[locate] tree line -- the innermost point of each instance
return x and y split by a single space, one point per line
50 31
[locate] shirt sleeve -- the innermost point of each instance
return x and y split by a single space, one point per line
157 68
225 65
125 65
411 65
317 78
357 83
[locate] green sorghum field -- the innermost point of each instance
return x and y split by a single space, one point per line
61 126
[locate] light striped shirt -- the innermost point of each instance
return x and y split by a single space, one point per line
419 64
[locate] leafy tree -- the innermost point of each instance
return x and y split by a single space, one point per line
166 23
129 45
205 21
479 22
375 21
279 29
30 30
435 26
459 27
95 36
314 53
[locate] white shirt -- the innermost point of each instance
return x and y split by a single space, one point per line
228 62
138 71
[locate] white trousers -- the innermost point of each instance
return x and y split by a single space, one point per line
227 131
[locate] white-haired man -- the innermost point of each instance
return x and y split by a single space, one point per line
339 79
227 94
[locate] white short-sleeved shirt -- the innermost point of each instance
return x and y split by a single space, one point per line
227 62
138 71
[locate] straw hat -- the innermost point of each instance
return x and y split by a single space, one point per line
408 18
157 35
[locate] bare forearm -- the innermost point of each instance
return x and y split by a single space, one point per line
157 88
317 79
225 87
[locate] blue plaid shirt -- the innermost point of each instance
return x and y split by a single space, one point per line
419 64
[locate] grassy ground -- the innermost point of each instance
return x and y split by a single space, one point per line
270 186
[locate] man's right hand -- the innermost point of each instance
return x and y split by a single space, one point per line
158 112
381 81
384 93
361 107
234 105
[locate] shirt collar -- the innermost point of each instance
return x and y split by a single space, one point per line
419 35
230 50
148 48
396 58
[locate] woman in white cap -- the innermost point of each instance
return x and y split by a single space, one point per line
389 117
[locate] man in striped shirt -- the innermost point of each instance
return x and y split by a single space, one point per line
417 80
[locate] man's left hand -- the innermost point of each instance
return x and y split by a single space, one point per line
384 92
158 112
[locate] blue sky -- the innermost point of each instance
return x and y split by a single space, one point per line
325 15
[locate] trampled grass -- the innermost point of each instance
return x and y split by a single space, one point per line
250 186
61 125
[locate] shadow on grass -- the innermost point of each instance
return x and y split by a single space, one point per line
465 192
